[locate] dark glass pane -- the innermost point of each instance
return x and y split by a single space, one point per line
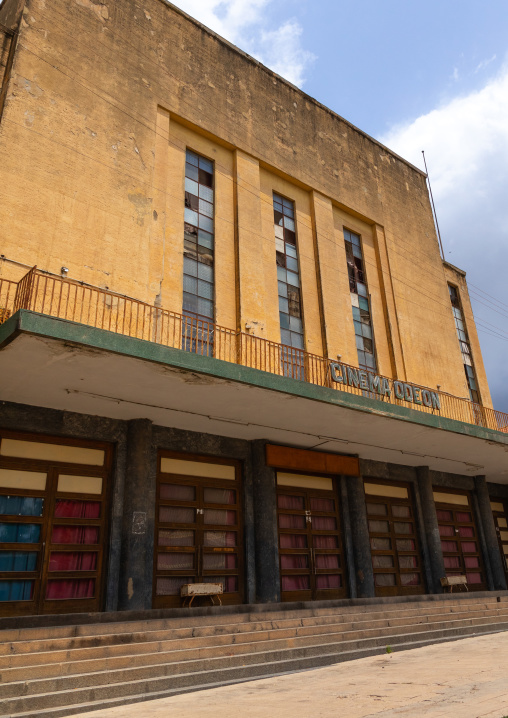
410 579
21 506
292 521
405 545
16 590
377 509
19 533
408 562
177 492
171 585
380 544
379 527
175 561
328 542
294 561
328 581
285 501
324 523
294 540
384 579
295 583
401 512
383 561
179 537
322 504
219 496
402 528
463 517
18 560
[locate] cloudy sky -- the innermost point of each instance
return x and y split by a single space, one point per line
427 74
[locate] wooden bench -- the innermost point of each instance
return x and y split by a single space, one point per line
189 591
451 581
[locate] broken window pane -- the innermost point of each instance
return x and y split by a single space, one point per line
286 258
198 254
360 301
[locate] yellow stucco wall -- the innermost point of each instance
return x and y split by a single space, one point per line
102 102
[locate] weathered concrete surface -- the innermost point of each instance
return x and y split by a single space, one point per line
463 679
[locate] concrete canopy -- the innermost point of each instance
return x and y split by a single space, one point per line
61 365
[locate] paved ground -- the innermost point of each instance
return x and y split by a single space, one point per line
463 679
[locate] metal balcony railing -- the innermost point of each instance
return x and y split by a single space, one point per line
76 302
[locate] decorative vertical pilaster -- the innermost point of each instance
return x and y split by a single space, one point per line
266 534
361 542
491 543
431 526
136 563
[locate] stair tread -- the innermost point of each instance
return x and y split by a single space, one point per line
338 649
356 653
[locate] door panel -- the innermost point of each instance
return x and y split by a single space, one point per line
53 523
198 528
500 512
459 538
310 545
394 544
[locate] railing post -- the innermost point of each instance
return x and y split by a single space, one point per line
23 297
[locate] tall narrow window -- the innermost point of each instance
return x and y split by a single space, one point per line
465 346
290 304
360 302
198 261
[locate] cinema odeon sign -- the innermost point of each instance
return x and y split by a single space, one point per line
368 381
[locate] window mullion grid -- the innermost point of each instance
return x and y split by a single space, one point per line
364 335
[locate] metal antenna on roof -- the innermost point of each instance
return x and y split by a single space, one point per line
433 206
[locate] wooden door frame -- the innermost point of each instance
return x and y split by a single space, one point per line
475 521
504 502
236 483
341 551
52 470
398 589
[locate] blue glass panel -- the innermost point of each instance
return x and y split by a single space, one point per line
192 158
18 560
191 172
364 303
191 217
19 533
284 320
205 164
16 590
205 272
21 505
205 223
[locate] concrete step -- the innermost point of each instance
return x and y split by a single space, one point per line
160 633
60 663
214 616
218 671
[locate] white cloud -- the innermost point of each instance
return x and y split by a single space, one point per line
246 24
466 146
485 63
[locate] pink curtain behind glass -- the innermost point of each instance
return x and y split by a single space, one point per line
327 561
294 540
292 521
320 504
75 534
443 515
324 523
73 561
328 581
293 561
70 588
220 517
285 501
65 508
325 541
295 583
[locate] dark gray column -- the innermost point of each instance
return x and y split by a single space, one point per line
491 544
348 539
266 534
136 574
360 533
428 507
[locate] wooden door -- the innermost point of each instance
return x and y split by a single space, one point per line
459 537
53 524
198 527
394 543
310 544
500 512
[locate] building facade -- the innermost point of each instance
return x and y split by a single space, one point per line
230 348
